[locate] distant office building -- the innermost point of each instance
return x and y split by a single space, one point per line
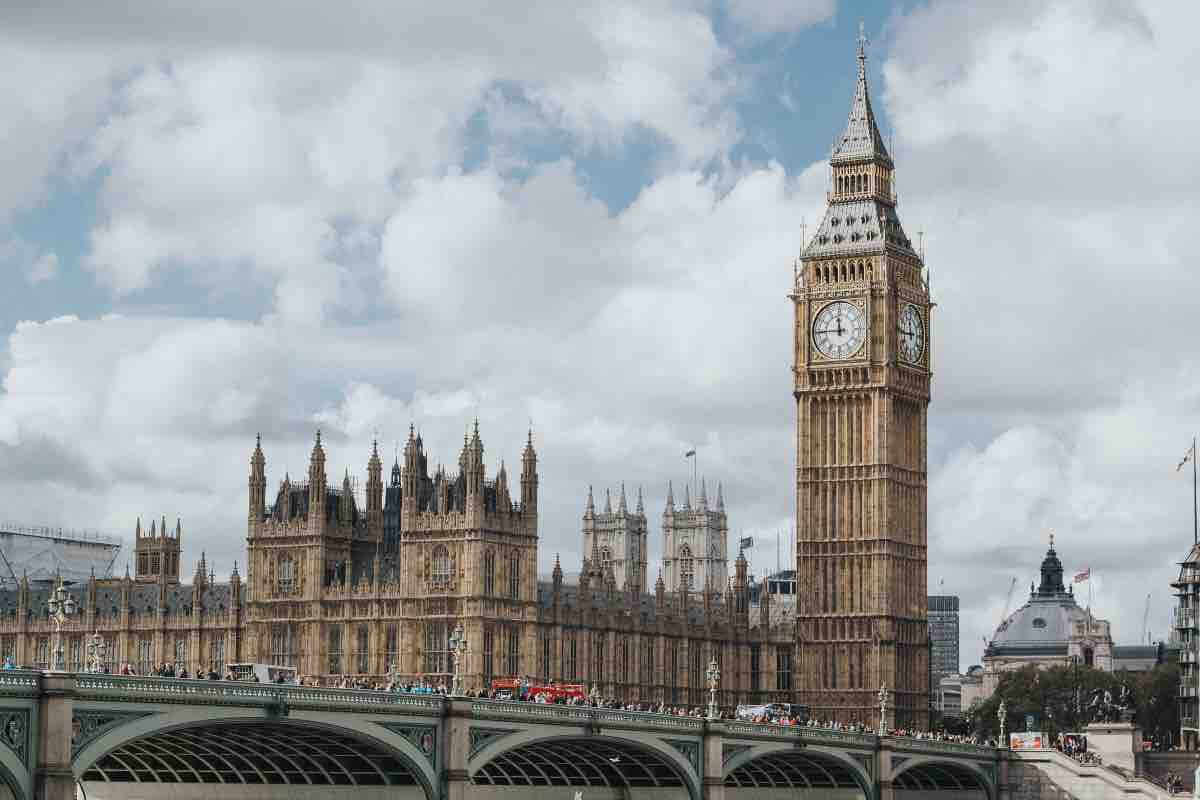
1187 635
943 633
949 691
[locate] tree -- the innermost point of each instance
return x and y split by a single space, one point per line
1058 698
1156 696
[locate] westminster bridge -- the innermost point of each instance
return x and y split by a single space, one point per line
103 737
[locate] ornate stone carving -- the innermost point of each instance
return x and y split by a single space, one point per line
14 731
731 751
482 737
690 750
89 725
422 737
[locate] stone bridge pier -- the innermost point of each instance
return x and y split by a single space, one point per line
103 737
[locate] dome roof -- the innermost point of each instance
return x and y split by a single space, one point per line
1043 625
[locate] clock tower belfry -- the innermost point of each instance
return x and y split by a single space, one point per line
862 391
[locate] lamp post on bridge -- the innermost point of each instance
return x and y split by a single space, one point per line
883 698
713 674
458 651
1002 713
62 606
97 649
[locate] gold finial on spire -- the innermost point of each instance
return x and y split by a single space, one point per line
862 49
1051 539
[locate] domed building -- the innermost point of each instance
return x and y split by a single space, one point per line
1049 629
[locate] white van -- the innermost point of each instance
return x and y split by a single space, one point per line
265 673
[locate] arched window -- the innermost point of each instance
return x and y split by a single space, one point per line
286 574
489 572
514 576
1089 656
439 573
686 568
605 557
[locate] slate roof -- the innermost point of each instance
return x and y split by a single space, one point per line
858 227
861 140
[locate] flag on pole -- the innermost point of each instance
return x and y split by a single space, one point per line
746 543
1188 456
689 454
1083 575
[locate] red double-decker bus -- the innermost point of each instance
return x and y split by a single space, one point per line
513 689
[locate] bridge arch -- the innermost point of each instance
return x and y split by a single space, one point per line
515 761
815 770
14 777
246 753
923 776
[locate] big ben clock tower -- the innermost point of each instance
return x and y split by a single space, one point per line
862 390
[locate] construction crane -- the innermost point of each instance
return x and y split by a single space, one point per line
1008 600
1146 621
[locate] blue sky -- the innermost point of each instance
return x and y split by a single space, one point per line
585 217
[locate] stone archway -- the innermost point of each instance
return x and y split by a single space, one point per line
533 767
927 777
252 757
781 771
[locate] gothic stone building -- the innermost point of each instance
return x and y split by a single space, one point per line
862 375
338 589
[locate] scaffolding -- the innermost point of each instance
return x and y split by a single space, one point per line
41 553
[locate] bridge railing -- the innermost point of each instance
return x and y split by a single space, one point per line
583 715
181 690
911 743
20 681
805 733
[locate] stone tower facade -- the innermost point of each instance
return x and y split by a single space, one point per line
617 540
862 390
695 542
156 553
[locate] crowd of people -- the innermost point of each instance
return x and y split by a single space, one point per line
169 670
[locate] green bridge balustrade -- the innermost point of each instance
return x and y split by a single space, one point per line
65 735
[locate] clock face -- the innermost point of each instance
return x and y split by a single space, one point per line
839 330
912 334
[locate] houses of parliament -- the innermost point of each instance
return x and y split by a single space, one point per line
337 586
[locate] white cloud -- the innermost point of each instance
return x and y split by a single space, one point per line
775 16
44 269
1028 139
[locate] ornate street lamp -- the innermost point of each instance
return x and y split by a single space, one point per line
594 695
1001 713
61 606
458 651
97 649
883 697
393 677
713 674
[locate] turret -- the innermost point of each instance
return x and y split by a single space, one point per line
607 501
375 491
257 482
720 499
702 503
529 482
670 509
345 515
411 476
622 506
660 592
316 481
687 497
589 511
641 507
556 576
473 468
503 499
